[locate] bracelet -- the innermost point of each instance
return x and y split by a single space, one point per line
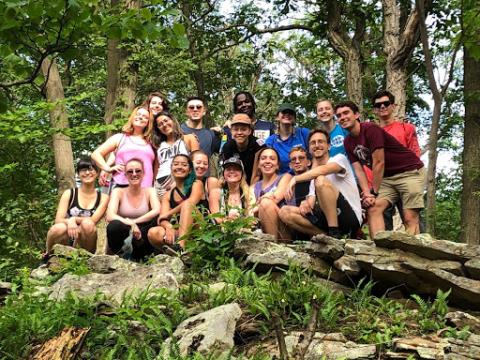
373 192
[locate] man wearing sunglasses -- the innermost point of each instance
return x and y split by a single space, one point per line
383 106
405 133
195 111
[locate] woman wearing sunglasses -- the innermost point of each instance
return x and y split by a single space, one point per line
78 212
132 211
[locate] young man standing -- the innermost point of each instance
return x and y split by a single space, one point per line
243 144
209 142
397 172
288 135
333 185
326 118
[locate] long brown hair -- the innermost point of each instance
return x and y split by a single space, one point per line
158 136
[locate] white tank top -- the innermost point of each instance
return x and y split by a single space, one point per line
166 153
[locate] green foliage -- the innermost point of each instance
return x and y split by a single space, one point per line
210 244
431 317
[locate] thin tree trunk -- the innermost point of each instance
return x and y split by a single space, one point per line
471 151
122 74
348 49
438 94
62 145
398 48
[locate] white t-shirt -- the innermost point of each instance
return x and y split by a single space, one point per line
345 184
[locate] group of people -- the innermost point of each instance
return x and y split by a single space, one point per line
297 182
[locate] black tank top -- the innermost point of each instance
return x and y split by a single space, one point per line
76 210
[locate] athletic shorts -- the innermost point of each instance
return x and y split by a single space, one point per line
347 220
407 187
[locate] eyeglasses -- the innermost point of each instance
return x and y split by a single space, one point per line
195 107
134 171
298 158
379 104
84 170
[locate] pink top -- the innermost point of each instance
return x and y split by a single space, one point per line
133 147
127 210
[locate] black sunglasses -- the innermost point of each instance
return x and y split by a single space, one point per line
379 104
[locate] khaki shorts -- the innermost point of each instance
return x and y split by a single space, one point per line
407 186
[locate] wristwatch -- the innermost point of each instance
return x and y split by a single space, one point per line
373 192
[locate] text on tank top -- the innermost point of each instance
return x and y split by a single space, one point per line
165 155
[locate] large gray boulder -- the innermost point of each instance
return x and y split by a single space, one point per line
208 333
165 272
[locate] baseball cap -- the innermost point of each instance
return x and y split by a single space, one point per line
234 160
241 119
287 107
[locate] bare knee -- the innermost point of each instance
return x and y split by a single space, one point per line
156 235
88 226
57 230
267 205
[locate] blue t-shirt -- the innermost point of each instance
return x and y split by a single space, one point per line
337 136
283 147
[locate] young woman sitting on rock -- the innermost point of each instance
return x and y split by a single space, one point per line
132 211
78 212
177 206
233 198
269 193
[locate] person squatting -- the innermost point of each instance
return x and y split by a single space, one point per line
156 176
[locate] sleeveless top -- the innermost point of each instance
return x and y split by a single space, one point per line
165 155
174 203
127 210
258 191
75 209
129 148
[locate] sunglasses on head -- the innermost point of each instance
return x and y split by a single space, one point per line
379 104
134 171
194 107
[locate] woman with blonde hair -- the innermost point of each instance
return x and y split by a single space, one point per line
132 142
233 198
169 141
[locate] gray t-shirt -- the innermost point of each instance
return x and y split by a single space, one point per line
209 142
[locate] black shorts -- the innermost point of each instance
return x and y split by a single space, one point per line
347 220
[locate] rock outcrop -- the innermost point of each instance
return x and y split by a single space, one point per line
416 264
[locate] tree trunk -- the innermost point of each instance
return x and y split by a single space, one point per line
471 151
62 145
122 74
348 49
432 166
398 47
